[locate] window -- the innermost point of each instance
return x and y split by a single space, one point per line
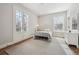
24 22
74 24
21 21
18 21
58 23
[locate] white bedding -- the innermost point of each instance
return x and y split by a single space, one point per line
43 34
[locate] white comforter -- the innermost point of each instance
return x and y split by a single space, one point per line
43 34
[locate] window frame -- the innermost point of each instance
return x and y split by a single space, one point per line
74 19
21 15
63 28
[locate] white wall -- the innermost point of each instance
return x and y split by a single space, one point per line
45 22
5 23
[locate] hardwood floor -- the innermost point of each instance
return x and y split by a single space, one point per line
3 53
37 47
40 47
74 49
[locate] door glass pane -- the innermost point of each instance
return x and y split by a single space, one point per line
74 24
21 21
18 22
24 22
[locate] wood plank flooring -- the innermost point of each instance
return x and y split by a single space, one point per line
37 47
41 47
74 49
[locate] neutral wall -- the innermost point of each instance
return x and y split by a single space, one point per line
45 22
5 23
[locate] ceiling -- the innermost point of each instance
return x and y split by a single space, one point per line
46 8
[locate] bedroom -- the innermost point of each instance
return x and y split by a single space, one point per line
39 28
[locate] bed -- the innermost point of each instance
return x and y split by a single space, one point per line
43 34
